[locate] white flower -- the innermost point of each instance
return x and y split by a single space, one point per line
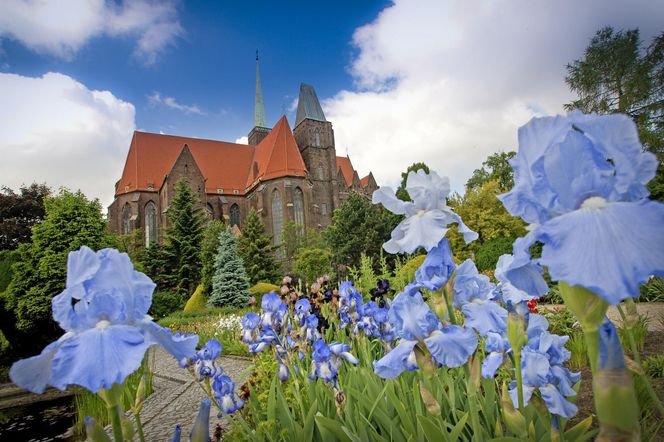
427 215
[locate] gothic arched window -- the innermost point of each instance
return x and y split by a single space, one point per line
298 206
277 217
150 223
317 138
126 219
235 215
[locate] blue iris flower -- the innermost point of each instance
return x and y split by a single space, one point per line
204 360
427 216
416 324
474 294
437 267
610 351
250 323
326 360
496 345
103 311
271 304
580 180
224 391
520 281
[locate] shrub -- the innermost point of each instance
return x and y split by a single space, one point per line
164 303
258 290
487 255
405 273
652 291
197 301
312 263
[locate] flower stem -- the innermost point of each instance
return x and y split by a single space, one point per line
448 302
519 379
637 359
114 414
591 335
139 426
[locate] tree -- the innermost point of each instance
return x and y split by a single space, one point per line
616 76
71 221
208 253
296 237
230 286
483 212
358 226
401 192
314 262
19 212
255 249
182 245
495 168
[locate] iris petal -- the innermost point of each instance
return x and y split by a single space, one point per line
453 345
392 364
556 402
608 250
485 317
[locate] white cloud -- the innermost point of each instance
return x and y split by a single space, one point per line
242 140
157 99
60 132
62 28
450 82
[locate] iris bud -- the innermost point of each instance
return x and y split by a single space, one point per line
514 420
516 331
433 407
94 431
588 308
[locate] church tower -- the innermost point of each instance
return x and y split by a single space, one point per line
260 129
315 139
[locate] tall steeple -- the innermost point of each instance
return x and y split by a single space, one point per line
259 108
260 129
308 105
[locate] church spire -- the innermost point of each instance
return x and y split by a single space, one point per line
259 108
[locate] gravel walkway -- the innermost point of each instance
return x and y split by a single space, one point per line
177 396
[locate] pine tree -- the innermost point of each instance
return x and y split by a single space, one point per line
182 246
230 286
209 252
255 249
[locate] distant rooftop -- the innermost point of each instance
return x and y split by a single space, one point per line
308 105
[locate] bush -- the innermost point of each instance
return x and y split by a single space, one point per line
197 301
652 291
258 290
164 303
405 273
487 255
312 263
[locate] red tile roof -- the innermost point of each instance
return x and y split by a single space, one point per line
151 157
364 182
277 155
346 167
226 166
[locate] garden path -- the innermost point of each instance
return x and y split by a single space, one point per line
652 310
177 397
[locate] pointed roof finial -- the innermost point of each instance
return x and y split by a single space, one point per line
259 108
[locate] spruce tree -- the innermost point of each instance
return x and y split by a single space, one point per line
230 286
181 252
209 252
255 249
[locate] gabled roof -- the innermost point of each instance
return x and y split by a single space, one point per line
364 182
151 157
346 168
276 155
308 105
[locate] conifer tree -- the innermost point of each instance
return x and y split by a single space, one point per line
230 286
181 252
255 249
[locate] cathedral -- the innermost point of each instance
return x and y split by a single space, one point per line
285 175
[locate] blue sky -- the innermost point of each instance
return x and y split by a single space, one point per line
446 82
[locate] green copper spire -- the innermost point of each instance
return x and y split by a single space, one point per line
259 108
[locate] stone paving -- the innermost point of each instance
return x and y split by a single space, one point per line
177 396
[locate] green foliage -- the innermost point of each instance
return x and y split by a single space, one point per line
483 212
197 302
652 291
71 221
90 404
296 237
230 286
364 276
487 255
401 192
181 252
255 248
579 351
615 76
358 227
164 303
261 288
495 168
654 366
404 273
561 321
209 246
133 244
312 263
19 212
7 260
639 331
